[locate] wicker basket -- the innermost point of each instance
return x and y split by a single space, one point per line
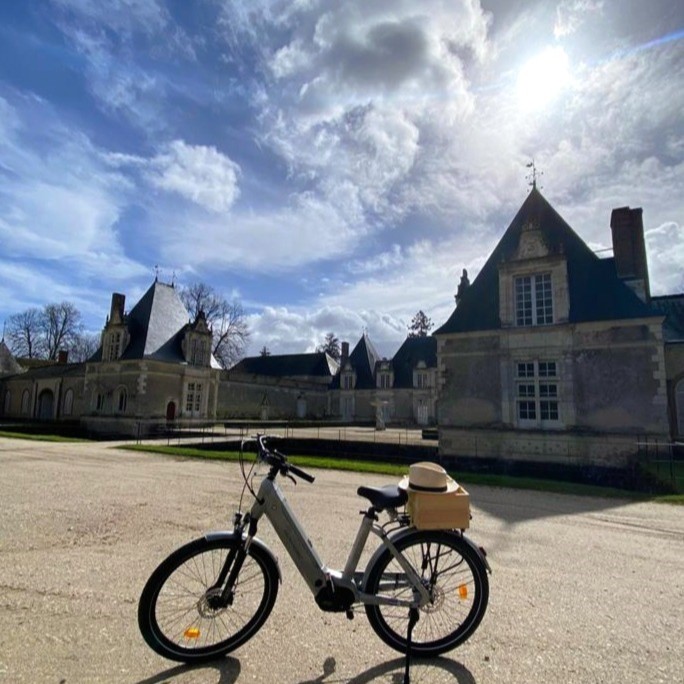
439 511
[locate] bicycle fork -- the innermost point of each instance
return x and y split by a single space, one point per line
225 582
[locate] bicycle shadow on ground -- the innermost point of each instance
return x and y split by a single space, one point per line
226 668
423 670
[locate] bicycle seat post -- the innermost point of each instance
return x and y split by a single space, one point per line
369 517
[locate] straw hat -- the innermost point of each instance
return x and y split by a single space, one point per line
428 477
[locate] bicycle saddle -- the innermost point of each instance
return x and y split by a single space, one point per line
389 496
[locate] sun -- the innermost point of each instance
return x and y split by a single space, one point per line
543 77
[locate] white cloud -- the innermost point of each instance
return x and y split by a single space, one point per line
287 331
60 206
304 232
571 14
57 201
119 15
665 248
199 173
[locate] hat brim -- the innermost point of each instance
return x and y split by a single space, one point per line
452 486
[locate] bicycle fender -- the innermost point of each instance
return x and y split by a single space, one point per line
479 550
228 534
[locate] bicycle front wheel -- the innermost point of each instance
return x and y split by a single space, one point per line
456 579
180 613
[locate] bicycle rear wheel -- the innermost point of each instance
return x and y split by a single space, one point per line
456 578
179 614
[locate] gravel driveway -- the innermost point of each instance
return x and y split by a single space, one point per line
583 589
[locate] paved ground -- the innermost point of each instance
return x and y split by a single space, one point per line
583 590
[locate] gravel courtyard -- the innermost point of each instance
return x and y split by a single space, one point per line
582 590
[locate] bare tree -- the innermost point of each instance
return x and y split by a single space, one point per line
227 321
420 325
61 325
42 333
24 334
331 345
84 346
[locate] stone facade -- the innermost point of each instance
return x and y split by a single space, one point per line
549 355
400 391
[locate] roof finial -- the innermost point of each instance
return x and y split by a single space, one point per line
156 272
532 176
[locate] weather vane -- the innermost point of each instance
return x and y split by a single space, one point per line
533 175
156 273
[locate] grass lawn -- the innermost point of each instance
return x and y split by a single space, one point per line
670 473
398 470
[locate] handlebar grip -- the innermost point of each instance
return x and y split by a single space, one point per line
300 473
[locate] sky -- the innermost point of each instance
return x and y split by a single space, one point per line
330 166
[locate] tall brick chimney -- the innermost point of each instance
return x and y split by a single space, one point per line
629 250
116 314
345 353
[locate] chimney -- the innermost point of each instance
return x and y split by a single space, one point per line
345 353
116 315
629 250
62 356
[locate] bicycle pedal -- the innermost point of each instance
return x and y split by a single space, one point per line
350 614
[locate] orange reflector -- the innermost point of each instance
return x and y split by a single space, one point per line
192 633
463 591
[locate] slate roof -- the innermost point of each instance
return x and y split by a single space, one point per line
363 359
52 370
318 364
672 307
8 364
409 355
596 293
156 325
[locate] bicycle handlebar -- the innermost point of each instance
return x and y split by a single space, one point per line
300 473
278 460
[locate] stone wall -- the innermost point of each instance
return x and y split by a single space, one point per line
268 398
611 384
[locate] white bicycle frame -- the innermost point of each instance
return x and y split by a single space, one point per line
272 503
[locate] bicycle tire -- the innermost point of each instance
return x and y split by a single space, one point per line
459 592
174 616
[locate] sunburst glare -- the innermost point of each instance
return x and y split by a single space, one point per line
543 77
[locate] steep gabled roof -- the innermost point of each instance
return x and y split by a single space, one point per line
318 364
8 364
596 293
362 359
154 323
155 326
409 355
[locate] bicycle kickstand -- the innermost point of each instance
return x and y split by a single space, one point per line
413 618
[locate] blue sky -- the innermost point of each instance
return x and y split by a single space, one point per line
333 166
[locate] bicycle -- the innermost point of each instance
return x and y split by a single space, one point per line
424 592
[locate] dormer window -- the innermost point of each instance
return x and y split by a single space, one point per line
199 352
348 381
384 380
421 379
534 300
112 348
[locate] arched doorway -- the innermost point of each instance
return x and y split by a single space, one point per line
46 402
171 411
